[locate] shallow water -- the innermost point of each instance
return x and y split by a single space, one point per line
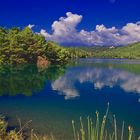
52 98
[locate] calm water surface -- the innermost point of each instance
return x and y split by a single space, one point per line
52 98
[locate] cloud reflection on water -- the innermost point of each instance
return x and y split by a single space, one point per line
99 77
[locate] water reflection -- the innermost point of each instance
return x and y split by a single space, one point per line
90 84
99 76
27 79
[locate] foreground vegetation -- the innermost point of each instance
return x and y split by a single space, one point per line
18 135
25 47
98 131
91 131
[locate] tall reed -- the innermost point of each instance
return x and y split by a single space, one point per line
98 130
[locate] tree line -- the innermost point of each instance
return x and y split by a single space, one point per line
22 46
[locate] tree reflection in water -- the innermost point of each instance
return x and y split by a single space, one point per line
26 79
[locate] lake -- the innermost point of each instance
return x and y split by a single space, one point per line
52 98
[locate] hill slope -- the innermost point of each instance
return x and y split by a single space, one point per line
131 51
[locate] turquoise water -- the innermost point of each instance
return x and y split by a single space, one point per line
52 98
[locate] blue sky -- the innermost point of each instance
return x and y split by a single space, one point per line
43 13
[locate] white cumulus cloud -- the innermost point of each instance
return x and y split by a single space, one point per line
64 31
31 26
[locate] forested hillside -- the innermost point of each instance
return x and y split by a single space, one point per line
131 51
24 46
